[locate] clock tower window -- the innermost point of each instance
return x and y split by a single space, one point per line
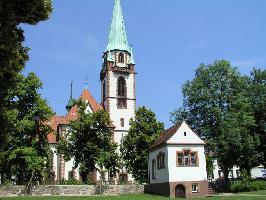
121 58
121 93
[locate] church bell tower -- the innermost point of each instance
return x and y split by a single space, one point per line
118 76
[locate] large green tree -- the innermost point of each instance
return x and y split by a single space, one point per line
27 151
90 142
13 55
144 130
216 106
257 95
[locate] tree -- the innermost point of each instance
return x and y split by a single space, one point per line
13 55
27 151
257 95
143 132
89 142
216 105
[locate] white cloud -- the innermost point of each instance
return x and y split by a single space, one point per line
246 62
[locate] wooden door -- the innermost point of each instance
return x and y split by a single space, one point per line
180 191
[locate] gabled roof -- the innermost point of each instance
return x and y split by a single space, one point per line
117 36
54 122
179 134
72 114
165 136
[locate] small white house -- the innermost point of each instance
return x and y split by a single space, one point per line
177 164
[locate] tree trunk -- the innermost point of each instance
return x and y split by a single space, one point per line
29 184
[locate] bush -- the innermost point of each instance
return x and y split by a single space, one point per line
241 186
246 184
70 182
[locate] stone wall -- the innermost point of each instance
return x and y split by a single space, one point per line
73 190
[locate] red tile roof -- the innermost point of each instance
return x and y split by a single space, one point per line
54 122
165 136
72 115
86 95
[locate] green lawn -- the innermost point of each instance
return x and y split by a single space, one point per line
258 195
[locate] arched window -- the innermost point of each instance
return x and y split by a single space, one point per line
121 87
121 93
104 91
121 58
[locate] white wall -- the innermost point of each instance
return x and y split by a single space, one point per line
115 113
189 138
197 173
256 172
55 160
162 175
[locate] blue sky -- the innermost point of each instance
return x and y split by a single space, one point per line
170 38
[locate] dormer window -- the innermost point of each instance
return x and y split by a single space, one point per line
121 58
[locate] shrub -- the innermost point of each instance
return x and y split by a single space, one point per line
70 182
246 184
241 186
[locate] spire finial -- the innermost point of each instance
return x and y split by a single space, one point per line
71 101
71 89
117 36
86 82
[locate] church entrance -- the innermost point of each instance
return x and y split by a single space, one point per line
180 191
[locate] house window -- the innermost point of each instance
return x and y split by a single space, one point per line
193 158
238 173
122 122
121 58
221 174
153 169
161 160
185 133
187 158
180 159
195 188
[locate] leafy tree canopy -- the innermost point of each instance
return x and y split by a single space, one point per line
257 95
216 104
89 141
13 55
144 130
26 146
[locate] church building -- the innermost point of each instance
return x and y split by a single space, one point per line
118 97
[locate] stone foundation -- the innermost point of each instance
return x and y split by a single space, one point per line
73 190
169 189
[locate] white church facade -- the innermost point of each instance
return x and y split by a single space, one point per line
118 98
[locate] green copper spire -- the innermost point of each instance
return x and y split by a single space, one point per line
132 61
117 37
71 101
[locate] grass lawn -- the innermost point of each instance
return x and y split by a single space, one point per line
258 195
